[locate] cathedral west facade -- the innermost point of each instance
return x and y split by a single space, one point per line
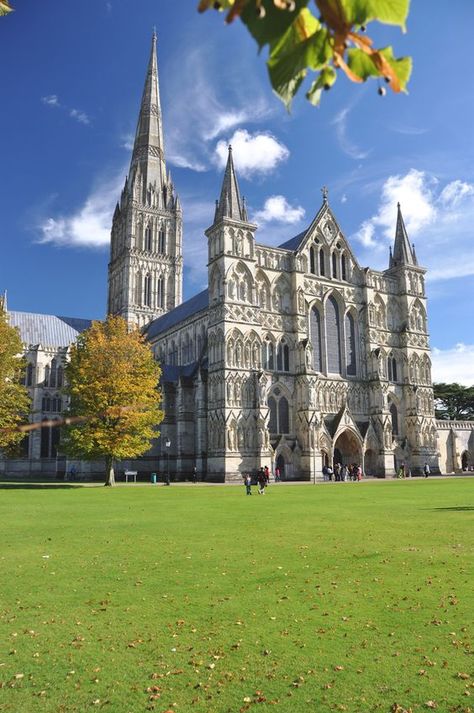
295 356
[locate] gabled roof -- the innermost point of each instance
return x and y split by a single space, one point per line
48 330
192 306
294 243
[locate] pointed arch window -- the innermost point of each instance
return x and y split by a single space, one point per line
279 413
322 270
283 356
351 363
161 242
343 267
315 330
334 264
29 374
392 368
273 421
138 288
333 341
312 260
394 417
148 238
147 290
161 292
283 415
268 355
53 373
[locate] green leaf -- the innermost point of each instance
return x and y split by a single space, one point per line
304 45
325 80
5 7
402 66
273 25
390 12
361 64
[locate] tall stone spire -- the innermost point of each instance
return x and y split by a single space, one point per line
403 254
148 151
230 204
146 261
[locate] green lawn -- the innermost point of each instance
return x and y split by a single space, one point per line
337 597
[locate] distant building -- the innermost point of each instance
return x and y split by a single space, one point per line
294 357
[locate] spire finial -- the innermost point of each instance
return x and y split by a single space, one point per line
154 34
325 192
230 148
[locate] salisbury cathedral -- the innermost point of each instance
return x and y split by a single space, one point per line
294 357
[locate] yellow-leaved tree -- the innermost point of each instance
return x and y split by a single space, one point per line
112 380
14 399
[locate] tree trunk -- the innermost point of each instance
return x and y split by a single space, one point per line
109 471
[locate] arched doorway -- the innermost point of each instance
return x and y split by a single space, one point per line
465 460
347 449
370 462
280 463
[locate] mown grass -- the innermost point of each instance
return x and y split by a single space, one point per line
354 597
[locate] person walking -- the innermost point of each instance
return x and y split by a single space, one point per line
195 475
248 484
262 481
267 474
344 473
426 470
277 474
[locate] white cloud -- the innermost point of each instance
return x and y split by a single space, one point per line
277 209
454 365
454 193
51 100
439 218
340 122
252 153
414 192
127 141
198 112
88 226
79 116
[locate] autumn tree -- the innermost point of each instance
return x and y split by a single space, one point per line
14 399
112 380
454 401
324 37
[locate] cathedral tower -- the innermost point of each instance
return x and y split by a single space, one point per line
145 268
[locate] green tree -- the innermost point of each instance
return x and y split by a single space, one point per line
454 401
112 380
14 399
336 39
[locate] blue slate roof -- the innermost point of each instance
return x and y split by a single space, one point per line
294 243
47 329
178 314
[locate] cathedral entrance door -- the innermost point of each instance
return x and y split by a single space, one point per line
347 449
280 463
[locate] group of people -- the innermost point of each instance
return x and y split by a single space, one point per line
342 473
263 479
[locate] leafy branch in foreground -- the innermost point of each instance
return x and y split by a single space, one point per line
5 7
299 41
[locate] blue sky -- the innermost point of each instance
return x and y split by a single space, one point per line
73 75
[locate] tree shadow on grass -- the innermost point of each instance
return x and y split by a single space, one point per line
39 486
460 508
